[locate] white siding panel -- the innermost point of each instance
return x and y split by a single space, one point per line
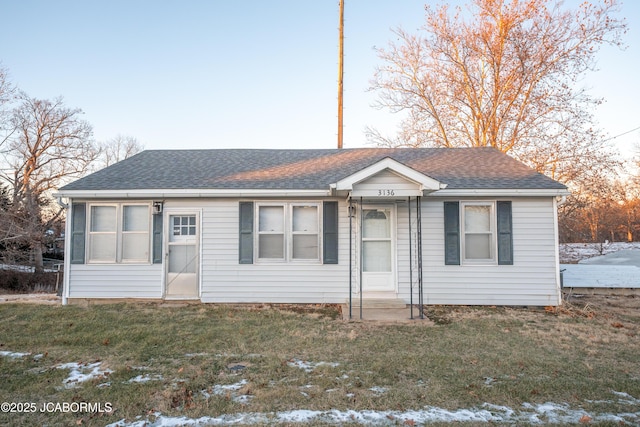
224 279
385 180
530 281
115 281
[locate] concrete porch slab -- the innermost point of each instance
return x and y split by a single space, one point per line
384 315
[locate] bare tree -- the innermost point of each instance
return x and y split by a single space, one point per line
504 76
49 145
7 92
116 149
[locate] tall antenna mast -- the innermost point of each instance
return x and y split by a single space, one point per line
340 71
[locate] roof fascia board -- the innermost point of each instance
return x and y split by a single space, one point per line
542 192
188 193
425 181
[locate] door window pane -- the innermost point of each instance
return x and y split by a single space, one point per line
184 225
182 259
376 256
376 224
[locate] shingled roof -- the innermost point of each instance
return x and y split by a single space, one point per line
242 169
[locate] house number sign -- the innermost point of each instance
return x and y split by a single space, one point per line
386 192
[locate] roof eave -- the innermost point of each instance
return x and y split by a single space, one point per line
188 193
502 192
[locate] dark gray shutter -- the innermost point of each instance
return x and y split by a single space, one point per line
78 226
157 238
330 232
246 233
452 233
505 234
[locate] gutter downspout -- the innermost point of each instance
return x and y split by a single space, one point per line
67 246
557 201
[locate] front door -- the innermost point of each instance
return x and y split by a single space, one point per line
378 257
182 256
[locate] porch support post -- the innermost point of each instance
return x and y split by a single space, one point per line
410 260
361 252
351 213
419 249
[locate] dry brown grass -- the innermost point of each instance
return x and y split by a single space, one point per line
577 354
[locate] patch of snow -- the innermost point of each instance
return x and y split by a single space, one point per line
104 385
379 390
310 366
546 413
243 399
38 357
627 398
575 252
218 389
13 354
82 372
145 378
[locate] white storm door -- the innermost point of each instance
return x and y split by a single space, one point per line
378 257
182 256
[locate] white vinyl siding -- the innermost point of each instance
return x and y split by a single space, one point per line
115 281
223 279
531 280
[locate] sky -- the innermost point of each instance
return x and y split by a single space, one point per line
240 73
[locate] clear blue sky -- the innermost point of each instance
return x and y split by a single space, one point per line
238 73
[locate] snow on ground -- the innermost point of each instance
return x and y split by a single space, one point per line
309 366
81 372
545 413
229 389
145 379
594 265
571 253
13 354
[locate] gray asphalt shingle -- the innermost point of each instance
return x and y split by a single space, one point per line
462 168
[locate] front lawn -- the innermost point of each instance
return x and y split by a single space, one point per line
127 364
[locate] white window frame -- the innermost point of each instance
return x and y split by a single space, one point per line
119 233
493 259
288 233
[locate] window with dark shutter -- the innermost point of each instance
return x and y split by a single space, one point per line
505 233
330 232
451 233
157 238
246 233
78 229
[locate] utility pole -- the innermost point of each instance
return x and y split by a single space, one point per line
340 71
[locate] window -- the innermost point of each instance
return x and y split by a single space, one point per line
119 233
479 236
288 232
478 232
478 242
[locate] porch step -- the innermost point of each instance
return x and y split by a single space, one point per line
378 303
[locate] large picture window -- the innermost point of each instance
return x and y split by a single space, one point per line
119 233
288 232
